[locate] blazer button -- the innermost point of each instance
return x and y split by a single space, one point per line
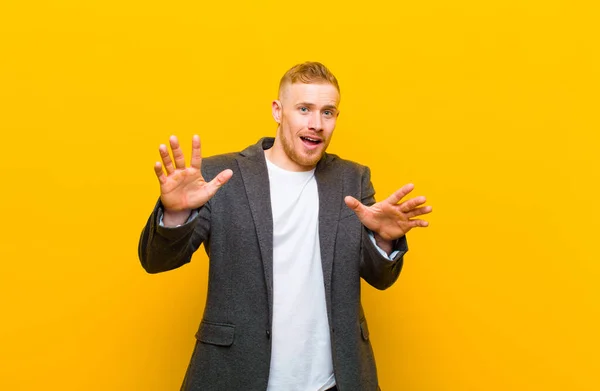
268 334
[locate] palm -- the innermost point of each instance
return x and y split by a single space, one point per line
389 218
184 188
386 220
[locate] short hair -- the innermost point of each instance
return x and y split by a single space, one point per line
310 73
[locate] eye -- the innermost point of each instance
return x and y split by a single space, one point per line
304 109
328 113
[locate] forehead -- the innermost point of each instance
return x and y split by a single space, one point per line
316 93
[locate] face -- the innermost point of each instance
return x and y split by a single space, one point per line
306 114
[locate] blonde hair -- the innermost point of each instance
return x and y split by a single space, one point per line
309 72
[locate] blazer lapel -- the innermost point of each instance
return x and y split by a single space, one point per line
329 184
254 173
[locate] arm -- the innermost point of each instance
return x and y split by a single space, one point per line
389 221
163 248
183 189
376 269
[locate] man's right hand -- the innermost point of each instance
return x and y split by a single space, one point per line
183 188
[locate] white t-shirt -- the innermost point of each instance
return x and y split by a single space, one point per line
301 345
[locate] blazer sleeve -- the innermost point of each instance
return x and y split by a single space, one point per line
163 248
377 270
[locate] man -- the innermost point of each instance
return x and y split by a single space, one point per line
289 231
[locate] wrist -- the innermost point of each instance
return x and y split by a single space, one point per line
175 218
385 245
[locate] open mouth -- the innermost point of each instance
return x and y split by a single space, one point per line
311 141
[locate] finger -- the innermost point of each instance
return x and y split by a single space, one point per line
196 152
411 204
177 152
218 181
166 159
418 223
419 211
400 193
160 174
355 205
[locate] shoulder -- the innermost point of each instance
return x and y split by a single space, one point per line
345 166
220 160
355 178
213 165
217 163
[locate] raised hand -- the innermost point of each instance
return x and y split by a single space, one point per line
390 219
183 188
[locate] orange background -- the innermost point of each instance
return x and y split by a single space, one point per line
490 108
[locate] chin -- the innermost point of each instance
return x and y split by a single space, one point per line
311 160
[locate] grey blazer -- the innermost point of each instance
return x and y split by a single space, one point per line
233 342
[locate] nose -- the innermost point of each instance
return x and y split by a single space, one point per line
315 123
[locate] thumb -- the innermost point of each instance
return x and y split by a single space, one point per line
355 205
219 181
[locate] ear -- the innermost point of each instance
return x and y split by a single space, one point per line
276 109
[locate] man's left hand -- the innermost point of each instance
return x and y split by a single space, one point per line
391 219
